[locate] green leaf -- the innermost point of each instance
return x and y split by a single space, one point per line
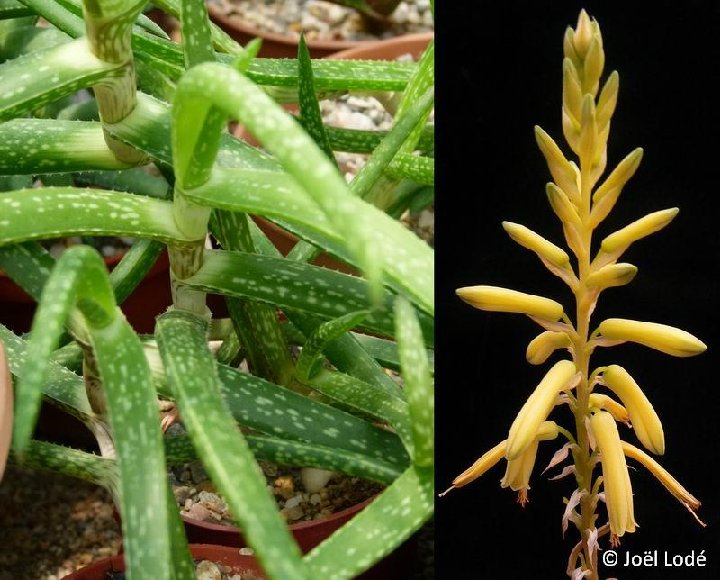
13 9
66 211
71 462
132 406
133 267
79 271
28 265
419 84
58 16
310 116
408 261
419 169
297 453
360 141
311 289
418 384
224 452
37 146
148 129
391 144
367 398
377 530
213 85
136 180
279 412
348 356
312 351
386 351
62 387
67 67
21 39
195 27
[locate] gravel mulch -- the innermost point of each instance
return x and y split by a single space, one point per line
51 525
320 20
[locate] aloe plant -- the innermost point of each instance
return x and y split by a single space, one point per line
333 406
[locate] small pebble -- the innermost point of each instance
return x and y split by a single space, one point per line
207 570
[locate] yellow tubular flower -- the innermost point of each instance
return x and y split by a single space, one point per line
488 460
538 406
518 472
602 401
495 299
535 242
663 476
667 339
644 419
544 344
616 481
619 241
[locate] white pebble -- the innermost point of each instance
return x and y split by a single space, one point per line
314 479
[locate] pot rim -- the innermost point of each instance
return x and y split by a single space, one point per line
229 528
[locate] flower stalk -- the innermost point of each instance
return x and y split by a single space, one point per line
581 201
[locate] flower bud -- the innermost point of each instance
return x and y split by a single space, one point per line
572 94
612 275
616 481
561 169
645 420
619 241
608 99
495 299
538 406
544 344
602 401
662 337
593 67
607 194
561 205
589 136
583 34
535 242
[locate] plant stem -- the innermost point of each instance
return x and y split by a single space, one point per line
109 31
584 301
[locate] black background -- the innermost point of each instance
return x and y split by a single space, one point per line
499 73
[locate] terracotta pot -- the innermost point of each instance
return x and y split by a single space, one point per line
150 298
275 45
306 534
223 555
398 564
390 49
